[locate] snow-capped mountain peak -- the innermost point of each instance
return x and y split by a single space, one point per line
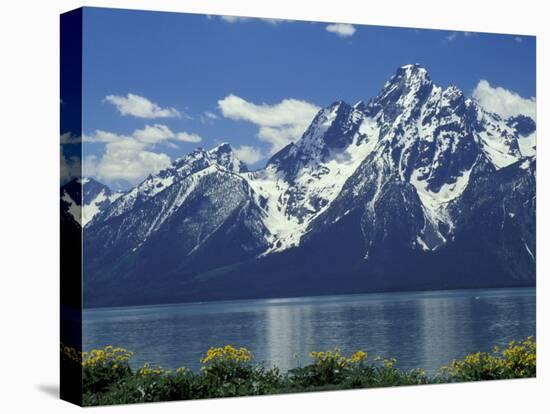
389 175
225 156
423 135
220 158
409 82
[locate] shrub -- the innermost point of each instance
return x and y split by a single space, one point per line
386 374
332 370
102 368
70 355
517 360
329 367
229 371
148 385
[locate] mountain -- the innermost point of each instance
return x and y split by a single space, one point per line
83 198
391 194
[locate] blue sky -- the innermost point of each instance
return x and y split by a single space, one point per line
156 83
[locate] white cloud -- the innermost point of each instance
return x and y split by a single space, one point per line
69 167
89 166
280 137
276 21
207 117
249 154
149 135
341 29
125 159
153 134
278 124
234 19
287 112
210 115
451 36
100 136
141 107
129 157
242 19
187 137
502 101
68 138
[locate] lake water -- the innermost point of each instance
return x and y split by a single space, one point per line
421 329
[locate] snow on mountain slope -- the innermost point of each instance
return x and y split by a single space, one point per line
300 182
414 130
199 159
427 136
90 210
202 178
86 197
433 139
185 188
73 208
528 145
96 197
499 141
525 129
394 176
294 188
290 207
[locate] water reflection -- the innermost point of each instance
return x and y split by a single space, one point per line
419 329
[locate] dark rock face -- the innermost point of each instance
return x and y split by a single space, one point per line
524 125
420 188
496 216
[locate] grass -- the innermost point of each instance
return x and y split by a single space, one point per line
228 372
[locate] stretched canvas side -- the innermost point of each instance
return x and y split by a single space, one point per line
71 206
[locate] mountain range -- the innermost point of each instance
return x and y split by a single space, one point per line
418 188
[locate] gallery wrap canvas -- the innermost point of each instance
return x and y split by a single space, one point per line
255 206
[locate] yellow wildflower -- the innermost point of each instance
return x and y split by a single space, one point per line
227 353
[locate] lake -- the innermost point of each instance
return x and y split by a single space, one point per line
420 329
